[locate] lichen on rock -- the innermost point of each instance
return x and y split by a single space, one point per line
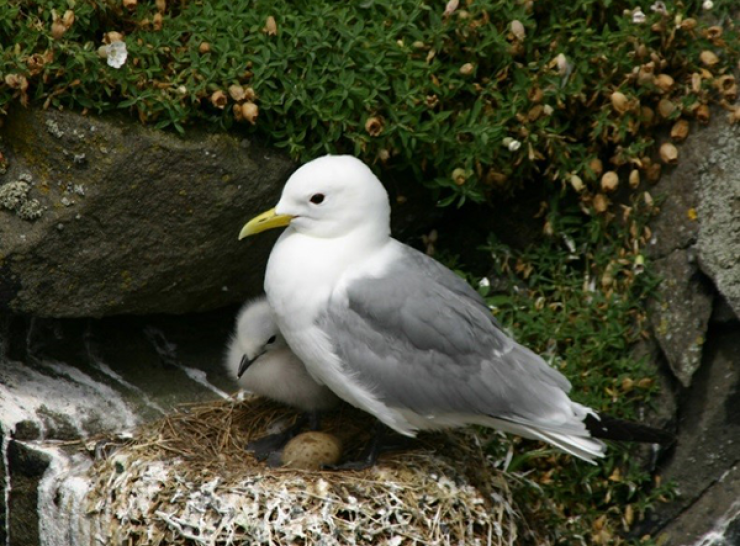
14 198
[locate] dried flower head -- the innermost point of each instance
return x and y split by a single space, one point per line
517 29
270 26
467 69
708 58
250 111
668 153
374 125
680 130
609 182
459 176
219 99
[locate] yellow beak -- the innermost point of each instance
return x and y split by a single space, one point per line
267 220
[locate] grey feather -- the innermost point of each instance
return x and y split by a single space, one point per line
421 338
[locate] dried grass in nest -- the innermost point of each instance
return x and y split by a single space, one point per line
187 480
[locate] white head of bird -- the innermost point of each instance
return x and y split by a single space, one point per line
329 197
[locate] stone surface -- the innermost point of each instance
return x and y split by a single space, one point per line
707 454
133 220
718 188
680 311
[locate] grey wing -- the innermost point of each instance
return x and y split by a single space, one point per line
426 344
442 275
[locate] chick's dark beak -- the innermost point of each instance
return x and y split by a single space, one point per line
244 364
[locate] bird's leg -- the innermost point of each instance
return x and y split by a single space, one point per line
314 420
263 447
383 441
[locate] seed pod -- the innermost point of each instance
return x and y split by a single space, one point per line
249 94
157 21
236 92
668 153
609 182
459 176
270 26
680 130
57 30
496 178
562 64
713 33
466 69
634 179
652 173
646 74
250 111
204 48
68 18
734 116
374 125
517 29
113 36
237 110
596 166
130 4
688 24
161 5
647 115
577 183
708 58
664 82
620 103
702 113
219 99
666 108
727 86
600 202
16 81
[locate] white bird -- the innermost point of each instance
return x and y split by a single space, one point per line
395 333
261 361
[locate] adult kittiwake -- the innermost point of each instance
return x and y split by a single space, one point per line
261 361
398 335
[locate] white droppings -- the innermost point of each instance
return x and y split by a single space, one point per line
61 506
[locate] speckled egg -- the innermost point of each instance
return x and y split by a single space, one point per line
312 450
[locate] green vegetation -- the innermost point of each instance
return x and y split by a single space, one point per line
579 300
497 94
563 98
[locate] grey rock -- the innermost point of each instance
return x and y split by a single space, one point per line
719 214
714 519
70 379
679 312
707 454
133 220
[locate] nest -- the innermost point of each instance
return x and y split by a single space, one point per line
187 480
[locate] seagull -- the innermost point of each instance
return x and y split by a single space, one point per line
397 334
261 361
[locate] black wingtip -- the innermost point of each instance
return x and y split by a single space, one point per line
606 427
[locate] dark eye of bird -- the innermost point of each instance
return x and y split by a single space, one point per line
271 340
317 198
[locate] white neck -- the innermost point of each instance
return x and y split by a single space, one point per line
302 271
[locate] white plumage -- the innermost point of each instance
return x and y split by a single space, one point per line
271 369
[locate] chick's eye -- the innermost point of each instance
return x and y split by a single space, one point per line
271 340
317 198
